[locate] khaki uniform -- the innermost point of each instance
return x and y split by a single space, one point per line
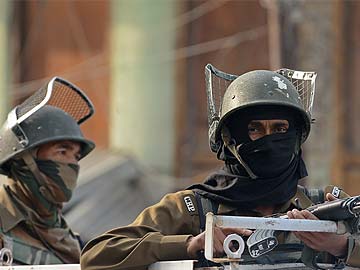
18 235
161 232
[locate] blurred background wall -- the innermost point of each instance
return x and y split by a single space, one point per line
5 68
142 64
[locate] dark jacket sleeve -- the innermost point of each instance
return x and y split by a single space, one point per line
159 233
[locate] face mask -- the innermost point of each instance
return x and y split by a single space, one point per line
60 178
270 155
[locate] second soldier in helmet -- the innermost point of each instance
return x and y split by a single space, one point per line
40 148
258 135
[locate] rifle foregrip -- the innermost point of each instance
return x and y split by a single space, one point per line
334 210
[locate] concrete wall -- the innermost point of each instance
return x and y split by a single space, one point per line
5 9
310 40
142 80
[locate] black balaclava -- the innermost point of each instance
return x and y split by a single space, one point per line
270 155
274 159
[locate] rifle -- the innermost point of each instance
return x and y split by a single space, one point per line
344 211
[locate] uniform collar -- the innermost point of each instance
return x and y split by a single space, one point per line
10 215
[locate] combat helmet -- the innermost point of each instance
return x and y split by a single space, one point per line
228 94
52 113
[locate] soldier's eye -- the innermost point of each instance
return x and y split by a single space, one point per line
281 129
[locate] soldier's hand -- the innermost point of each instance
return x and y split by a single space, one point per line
330 197
329 242
197 243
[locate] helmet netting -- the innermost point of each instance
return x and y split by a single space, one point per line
61 94
304 83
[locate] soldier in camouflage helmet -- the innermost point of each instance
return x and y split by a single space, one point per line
40 146
257 133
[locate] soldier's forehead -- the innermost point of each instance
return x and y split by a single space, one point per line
269 121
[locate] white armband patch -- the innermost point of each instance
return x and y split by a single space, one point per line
189 204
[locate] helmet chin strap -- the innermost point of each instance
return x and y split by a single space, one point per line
30 162
231 145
